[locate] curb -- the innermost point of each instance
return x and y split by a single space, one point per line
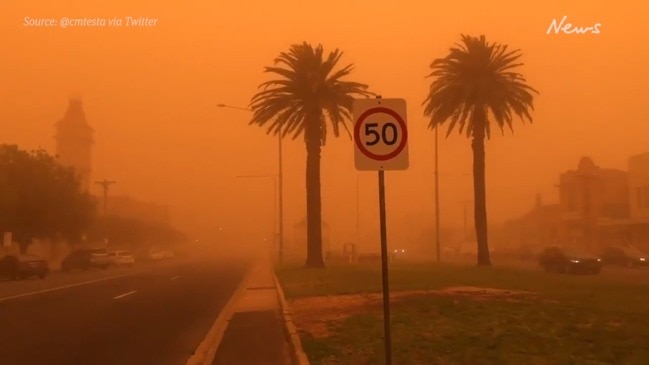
206 350
297 353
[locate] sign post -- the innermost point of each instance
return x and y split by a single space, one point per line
381 143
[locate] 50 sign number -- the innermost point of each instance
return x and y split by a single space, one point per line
389 138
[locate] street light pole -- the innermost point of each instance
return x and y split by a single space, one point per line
280 179
437 228
274 207
280 183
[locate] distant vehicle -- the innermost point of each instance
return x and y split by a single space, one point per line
625 256
121 258
559 260
156 255
85 259
18 267
399 254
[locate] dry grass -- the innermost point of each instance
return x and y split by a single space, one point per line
314 315
448 314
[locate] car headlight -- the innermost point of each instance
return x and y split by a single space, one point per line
599 260
642 259
574 261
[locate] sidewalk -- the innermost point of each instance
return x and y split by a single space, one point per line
255 333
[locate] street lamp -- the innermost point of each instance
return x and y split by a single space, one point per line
437 243
280 182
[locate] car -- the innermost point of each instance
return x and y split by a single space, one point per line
625 256
156 255
85 259
18 267
121 258
399 254
560 260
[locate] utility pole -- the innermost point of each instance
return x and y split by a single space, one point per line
280 205
437 243
358 213
105 185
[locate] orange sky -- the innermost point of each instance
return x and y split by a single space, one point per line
151 95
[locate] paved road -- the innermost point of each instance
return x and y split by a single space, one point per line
153 314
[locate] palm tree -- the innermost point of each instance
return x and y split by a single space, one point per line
307 94
474 85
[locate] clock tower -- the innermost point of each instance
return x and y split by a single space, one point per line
74 140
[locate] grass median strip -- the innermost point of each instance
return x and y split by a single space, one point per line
451 314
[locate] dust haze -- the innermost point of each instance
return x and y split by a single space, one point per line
151 95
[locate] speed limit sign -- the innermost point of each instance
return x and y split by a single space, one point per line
380 134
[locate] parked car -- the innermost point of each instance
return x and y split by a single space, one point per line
121 258
85 259
18 267
625 256
155 255
560 260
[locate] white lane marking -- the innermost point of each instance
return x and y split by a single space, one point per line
125 294
67 286
175 277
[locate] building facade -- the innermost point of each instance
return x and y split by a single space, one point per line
539 227
638 166
590 196
597 207
74 140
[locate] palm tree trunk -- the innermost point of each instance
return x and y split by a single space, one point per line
314 257
479 189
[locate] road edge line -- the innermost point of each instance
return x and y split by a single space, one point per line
290 330
206 350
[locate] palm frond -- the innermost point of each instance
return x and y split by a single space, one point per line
478 77
308 92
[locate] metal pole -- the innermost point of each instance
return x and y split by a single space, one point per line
105 199
281 198
437 228
274 211
281 184
358 212
384 266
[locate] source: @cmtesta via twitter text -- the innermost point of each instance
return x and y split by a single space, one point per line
69 22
